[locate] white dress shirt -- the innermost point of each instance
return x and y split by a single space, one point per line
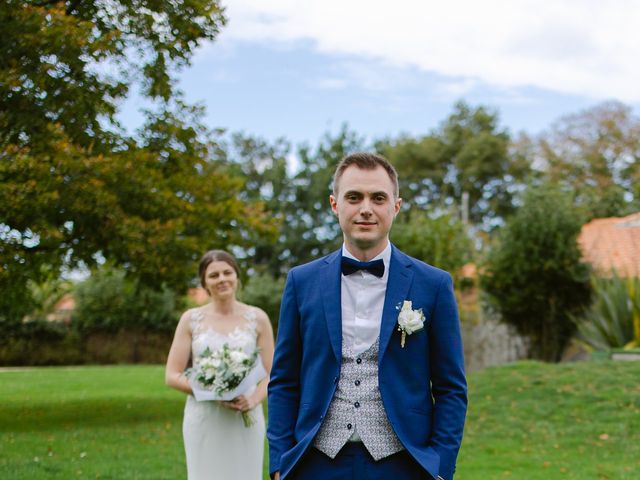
362 303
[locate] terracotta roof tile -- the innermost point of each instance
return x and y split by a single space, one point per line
612 244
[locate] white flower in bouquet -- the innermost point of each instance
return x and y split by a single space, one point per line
222 370
238 356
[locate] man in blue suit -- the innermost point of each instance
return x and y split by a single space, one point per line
368 376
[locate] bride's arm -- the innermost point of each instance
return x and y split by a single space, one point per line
265 344
179 356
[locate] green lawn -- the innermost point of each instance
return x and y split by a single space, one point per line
526 421
535 421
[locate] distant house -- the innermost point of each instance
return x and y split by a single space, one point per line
63 309
612 244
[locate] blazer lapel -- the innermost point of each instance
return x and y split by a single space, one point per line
398 284
331 288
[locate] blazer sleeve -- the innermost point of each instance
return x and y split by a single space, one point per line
284 383
448 382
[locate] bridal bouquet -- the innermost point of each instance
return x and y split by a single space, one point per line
225 373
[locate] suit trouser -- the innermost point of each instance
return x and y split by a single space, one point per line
354 462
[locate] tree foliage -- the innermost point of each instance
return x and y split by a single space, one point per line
74 188
298 200
108 301
311 227
468 153
534 275
67 63
265 291
263 166
597 153
441 241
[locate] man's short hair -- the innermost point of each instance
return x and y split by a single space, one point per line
366 161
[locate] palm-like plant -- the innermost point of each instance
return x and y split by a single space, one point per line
613 319
45 294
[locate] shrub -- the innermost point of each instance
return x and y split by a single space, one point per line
613 319
265 291
39 342
442 241
534 276
108 301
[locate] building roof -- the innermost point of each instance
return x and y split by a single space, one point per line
612 244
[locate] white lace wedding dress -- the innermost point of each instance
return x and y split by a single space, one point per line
218 446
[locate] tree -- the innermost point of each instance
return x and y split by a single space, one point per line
469 153
68 63
310 227
108 301
265 291
441 241
597 153
263 165
534 275
74 188
298 201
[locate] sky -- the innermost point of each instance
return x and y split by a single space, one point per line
300 68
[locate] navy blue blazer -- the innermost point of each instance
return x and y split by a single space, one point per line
423 385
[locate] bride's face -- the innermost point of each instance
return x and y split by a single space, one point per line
221 280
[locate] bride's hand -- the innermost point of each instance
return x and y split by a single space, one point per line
240 403
226 404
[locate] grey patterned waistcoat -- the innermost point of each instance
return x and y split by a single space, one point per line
357 406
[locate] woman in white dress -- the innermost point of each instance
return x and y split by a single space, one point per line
217 443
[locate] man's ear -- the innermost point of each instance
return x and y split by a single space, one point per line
334 204
397 206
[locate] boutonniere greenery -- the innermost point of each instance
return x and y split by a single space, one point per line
409 320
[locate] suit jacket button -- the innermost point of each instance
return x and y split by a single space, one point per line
357 383
358 360
357 404
349 426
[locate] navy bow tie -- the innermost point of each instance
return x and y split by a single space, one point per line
349 266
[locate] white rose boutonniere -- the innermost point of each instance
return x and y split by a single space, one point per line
409 320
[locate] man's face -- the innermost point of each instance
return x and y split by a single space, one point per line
365 206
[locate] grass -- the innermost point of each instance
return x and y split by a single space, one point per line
567 421
117 422
526 421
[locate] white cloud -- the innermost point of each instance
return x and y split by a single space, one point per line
581 47
456 88
331 83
